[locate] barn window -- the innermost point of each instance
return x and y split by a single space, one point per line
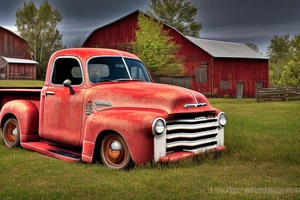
225 85
201 73
259 85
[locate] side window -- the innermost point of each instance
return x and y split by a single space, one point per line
67 68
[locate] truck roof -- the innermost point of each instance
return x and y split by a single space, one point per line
86 53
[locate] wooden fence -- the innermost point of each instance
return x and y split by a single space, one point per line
278 93
183 81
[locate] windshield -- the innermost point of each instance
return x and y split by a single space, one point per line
102 69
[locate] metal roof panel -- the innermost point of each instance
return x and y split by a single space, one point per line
18 60
222 49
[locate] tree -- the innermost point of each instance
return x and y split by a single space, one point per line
284 60
253 46
156 49
77 42
179 14
295 43
38 25
291 72
280 53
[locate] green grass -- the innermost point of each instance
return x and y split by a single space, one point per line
21 83
262 161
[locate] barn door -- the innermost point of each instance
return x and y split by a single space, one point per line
259 85
201 77
239 90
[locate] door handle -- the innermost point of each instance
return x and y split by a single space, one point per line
50 93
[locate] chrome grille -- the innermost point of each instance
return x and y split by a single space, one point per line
197 134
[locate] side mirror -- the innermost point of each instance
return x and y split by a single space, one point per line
67 83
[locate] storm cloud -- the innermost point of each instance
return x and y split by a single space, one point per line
230 20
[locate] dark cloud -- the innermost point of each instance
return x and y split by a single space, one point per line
248 21
243 21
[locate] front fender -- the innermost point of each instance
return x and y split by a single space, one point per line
134 125
27 115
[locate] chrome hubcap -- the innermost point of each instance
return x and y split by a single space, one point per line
14 132
116 146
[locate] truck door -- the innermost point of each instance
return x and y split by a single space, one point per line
62 114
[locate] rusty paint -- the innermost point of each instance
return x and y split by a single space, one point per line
56 116
176 156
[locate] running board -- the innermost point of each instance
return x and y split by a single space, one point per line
52 151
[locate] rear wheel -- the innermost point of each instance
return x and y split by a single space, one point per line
114 152
11 133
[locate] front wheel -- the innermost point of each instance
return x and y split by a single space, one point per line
114 152
11 133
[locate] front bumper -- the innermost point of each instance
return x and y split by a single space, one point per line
181 155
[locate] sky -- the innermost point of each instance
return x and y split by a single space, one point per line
242 21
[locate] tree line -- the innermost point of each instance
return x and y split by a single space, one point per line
38 25
284 53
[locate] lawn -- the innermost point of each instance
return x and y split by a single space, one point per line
262 161
21 83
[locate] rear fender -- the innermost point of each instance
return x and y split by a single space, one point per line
27 115
135 126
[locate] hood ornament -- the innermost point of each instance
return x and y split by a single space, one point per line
195 105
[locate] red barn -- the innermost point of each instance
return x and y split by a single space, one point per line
15 61
217 68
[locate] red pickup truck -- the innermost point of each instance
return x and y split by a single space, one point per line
102 105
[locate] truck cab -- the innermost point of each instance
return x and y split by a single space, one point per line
102 105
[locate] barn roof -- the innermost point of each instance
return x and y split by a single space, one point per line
215 48
221 49
18 60
12 32
110 23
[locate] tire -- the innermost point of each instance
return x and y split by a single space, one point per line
114 152
11 133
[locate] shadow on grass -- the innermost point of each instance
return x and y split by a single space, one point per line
198 159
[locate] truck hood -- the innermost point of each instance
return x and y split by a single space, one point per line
135 94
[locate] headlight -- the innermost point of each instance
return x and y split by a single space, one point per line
158 126
222 118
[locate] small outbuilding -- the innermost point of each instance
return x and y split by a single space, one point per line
214 68
15 60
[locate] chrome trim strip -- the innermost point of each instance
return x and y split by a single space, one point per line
193 135
103 103
192 126
197 119
50 93
191 143
128 72
193 96
194 105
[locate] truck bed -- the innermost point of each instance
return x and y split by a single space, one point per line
33 94
13 93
